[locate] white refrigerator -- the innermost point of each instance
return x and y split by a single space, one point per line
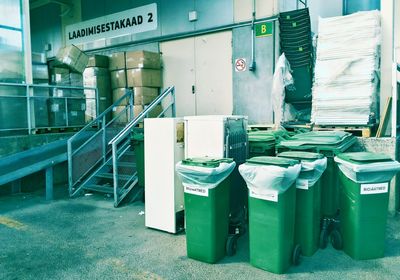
164 147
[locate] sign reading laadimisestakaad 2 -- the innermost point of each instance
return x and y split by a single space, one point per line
131 21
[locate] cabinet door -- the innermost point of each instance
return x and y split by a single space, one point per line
179 71
213 60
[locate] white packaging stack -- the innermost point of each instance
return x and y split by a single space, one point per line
345 90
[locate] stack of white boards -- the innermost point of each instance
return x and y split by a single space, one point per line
345 90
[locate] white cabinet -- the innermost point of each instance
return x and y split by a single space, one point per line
164 147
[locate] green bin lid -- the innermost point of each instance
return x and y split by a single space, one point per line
205 161
261 137
301 155
266 160
364 157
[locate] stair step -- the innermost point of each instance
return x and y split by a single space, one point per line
129 153
100 188
123 164
111 176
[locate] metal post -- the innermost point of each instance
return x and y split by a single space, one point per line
69 151
115 171
66 112
173 102
131 116
49 183
104 144
28 110
97 102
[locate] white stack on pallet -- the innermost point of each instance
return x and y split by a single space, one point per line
346 81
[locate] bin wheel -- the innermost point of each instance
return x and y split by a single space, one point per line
231 244
336 240
296 255
323 238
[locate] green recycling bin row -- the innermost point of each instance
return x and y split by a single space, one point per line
284 205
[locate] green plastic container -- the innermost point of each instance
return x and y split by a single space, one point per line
328 143
271 224
308 205
207 217
364 208
302 83
139 152
261 144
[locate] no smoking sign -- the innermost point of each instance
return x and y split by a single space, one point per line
240 65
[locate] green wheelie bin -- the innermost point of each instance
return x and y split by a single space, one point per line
308 199
328 143
207 186
272 205
139 152
364 200
261 143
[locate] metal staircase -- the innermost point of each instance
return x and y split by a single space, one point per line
106 161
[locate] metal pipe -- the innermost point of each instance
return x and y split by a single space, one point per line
252 66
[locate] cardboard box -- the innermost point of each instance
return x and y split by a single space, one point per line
144 95
141 77
98 61
73 57
118 79
137 109
117 61
152 114
100 79
76 79
118 93
143 59
59 76
39 58
124 117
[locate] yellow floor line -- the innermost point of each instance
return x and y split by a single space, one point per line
12 223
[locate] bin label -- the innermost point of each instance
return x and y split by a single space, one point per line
302 184
374 188
270 195
196 190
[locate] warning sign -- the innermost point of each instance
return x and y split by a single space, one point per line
240 64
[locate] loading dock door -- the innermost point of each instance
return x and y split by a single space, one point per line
201 70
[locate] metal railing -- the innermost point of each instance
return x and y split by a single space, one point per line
27 107
84 159
120 144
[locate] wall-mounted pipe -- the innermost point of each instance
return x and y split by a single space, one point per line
252 66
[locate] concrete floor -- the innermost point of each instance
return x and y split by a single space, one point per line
87 238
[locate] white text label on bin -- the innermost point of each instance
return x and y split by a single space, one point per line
374 188
196 190
270 196
302 184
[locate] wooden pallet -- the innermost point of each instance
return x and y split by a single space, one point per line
47 130
363 131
